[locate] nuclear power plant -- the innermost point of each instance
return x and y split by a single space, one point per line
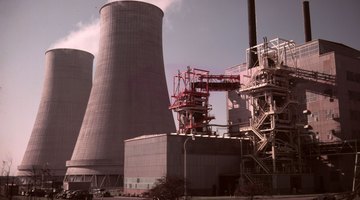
292 109
66 90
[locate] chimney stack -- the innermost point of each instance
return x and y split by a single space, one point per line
307 22
252 32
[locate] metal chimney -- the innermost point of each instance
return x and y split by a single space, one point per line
252 32
67 85
307 21
129 97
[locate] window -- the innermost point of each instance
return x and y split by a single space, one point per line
314 117
328 114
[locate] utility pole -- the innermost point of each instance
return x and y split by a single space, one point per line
185 167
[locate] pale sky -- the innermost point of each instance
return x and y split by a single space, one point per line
207 34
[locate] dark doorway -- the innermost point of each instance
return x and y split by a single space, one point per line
228 184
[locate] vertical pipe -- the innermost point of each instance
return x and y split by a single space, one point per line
185 177
252 32
307 21
241 163
273 154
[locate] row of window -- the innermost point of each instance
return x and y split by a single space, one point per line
137 186
322 114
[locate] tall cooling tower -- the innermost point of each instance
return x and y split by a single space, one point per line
67 86
129 95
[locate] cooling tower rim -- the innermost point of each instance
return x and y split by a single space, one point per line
140 2
92 162
28 167
35 167
69 49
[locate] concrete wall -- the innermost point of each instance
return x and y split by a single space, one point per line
145 162
348 71
321 98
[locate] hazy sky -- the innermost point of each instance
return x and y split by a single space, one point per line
207 34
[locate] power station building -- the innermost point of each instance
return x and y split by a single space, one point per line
326 100
293 113
325 94
66 90
129 96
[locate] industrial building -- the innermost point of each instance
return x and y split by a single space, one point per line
208 158
66 90
129 79
316 74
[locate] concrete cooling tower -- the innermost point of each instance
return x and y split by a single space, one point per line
129 97
67 86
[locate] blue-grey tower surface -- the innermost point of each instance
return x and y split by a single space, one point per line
66 91
129 96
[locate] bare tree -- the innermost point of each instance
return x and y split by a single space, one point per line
5 172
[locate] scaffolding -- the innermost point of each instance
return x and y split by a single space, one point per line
273 125
191 91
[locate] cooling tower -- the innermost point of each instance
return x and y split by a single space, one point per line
129 97
67 86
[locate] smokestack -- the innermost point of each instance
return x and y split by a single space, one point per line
129 96
252 32
307 21
67 85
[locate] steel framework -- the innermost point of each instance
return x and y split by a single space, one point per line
276 125
191 91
